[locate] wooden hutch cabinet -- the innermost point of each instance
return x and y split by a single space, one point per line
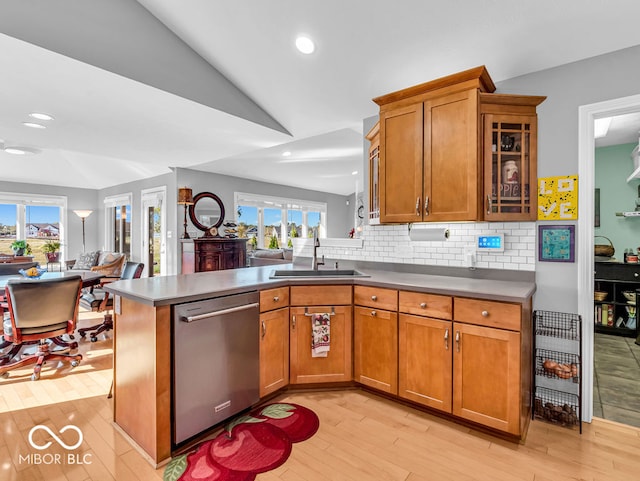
217 254
436 157
213 254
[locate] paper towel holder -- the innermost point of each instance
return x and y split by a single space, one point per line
438 233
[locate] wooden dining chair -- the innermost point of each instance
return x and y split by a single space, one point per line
40 311
97 299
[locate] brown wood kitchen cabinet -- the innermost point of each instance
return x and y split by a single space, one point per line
451 150
375 338
373 136
492 364
274 339
337 366
218 253
510 156
424 351
429 150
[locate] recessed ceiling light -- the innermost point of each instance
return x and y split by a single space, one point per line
40 116
286 154
305 45
19 150
355 172
33 125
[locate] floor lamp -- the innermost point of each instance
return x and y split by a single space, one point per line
185 197
83 214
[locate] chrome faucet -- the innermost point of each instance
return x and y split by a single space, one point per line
316 243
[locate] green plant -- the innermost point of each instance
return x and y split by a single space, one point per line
51 246
273 242
253 242
27 250
18 244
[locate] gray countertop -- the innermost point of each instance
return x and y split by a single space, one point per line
167 290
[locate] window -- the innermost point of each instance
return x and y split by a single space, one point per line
34 218
272 220
118 224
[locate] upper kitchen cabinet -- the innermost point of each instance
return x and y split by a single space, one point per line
510 156
373 136
429 154
436 157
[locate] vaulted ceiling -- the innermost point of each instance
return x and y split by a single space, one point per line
138 87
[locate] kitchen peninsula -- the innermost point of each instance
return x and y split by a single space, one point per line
474 323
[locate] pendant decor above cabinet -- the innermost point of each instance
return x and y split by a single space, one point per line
451 150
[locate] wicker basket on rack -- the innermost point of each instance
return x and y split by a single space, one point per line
604 250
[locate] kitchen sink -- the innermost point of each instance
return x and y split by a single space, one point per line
299 273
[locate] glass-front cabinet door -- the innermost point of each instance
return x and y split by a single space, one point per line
510 178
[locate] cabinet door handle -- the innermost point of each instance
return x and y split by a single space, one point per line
446 339
489 204
276 298
374 313
426 205
293 322
457 341
423 305
418 206
374 298
264 329
485 313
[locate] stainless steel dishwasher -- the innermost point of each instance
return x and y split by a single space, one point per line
216 371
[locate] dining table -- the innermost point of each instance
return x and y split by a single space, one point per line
88 278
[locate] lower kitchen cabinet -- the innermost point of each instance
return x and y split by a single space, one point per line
375 348
487 376
424 361
337 366
274 350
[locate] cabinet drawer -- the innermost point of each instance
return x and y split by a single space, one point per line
487 313
320 295
617 272
429 305
274 299
376 297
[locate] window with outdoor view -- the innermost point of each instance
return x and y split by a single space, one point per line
33 222
272 222
118 224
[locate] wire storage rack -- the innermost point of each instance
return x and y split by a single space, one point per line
557 392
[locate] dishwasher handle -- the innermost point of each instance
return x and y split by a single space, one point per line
221 312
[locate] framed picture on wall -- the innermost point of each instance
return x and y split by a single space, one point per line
556 243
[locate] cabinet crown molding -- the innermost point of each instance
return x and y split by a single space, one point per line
478 74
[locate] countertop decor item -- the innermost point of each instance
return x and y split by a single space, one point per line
630 296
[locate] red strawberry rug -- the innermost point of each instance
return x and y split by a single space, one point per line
249 445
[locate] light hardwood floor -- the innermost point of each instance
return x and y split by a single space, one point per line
362 437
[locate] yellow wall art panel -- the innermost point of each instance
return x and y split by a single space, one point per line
558 198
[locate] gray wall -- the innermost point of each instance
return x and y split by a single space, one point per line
76 199
338 220
135 188
568 87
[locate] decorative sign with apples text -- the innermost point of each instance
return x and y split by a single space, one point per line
558 198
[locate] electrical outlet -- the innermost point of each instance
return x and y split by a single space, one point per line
470 257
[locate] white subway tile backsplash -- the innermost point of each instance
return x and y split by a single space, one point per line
391 243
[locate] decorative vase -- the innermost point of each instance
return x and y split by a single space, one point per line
53 256
18 252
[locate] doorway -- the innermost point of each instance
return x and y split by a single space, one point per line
586 171
154 236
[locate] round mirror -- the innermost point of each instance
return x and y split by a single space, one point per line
207 213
